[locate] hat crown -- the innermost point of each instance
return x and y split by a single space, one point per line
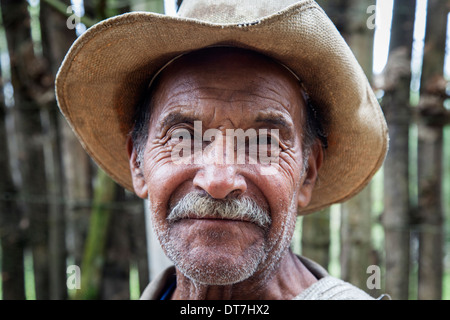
231 11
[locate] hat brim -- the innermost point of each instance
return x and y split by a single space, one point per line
108 68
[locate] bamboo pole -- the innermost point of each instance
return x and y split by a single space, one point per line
430 154
396 216
11 241
94 253
25 74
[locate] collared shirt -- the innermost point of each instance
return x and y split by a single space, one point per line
326 288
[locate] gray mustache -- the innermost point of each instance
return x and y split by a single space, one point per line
195 205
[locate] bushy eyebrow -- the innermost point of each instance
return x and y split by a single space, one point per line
268 118
276 120
175 118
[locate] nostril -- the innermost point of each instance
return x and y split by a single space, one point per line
220 181
235 194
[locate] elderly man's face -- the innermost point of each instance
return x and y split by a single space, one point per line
230 89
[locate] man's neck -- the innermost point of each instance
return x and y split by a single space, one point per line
288 280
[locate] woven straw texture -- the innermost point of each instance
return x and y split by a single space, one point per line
108 68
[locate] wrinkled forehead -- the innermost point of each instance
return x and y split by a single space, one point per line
251 72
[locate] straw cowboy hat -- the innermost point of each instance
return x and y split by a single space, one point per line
108 68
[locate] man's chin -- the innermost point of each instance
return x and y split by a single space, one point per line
215 252
217 266
217 270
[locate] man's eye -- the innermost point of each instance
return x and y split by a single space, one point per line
180 134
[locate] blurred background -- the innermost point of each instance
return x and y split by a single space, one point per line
67 231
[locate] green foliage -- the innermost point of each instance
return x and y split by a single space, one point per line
94 255
62 8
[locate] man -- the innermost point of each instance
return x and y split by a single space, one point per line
159 97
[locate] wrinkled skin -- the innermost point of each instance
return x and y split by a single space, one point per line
225 259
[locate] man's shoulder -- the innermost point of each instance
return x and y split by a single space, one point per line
326 288
331 288
156 288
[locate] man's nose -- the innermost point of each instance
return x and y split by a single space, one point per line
220 180
219 175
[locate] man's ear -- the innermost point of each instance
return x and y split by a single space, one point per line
139 185
310 176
